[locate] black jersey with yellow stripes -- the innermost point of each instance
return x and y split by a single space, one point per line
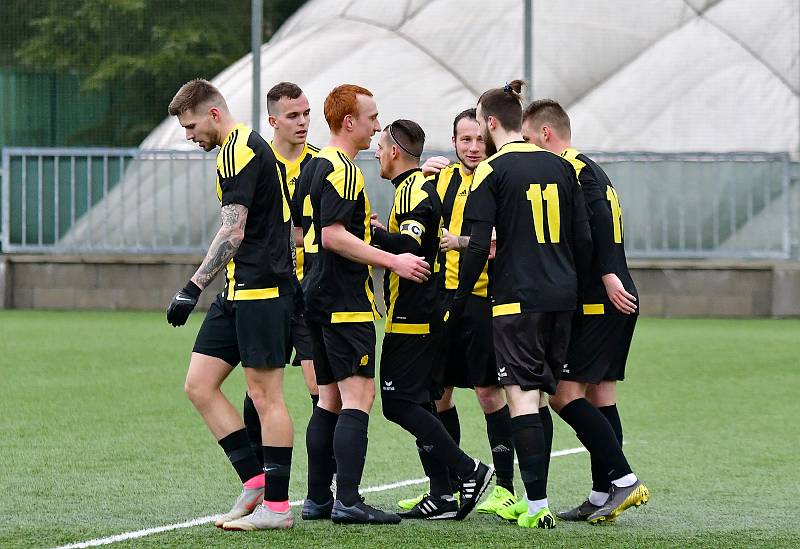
335 288
453 186
289 171
416 212
247 174
605 221
533 199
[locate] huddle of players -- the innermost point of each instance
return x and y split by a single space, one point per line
543 250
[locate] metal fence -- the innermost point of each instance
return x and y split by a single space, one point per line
739 205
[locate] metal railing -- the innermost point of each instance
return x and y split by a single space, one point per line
737 205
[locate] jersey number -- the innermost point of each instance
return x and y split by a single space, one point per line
537 195
309 244
616 213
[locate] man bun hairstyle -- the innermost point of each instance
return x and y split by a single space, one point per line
342 100
505 104
193 94
279 90
469 114
408 135
548 112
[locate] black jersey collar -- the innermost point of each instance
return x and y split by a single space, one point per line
403 176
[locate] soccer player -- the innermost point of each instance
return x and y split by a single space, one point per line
289 115
410 346
469 355
586 396
533 200
249 321
340 308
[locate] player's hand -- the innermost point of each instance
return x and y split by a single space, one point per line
620 298
411 267
449 241
183 303
375 223
435 164
493 244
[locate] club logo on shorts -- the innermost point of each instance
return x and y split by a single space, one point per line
387 386
364 360
565 368
501 372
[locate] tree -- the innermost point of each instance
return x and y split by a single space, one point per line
141 51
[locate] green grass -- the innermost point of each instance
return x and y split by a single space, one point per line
99 439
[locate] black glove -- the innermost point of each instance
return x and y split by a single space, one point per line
183 303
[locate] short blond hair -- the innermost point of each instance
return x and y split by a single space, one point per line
193 94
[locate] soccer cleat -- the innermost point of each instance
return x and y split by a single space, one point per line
317 511
499 498
361 513
543 519
513 512
263 518
579 513
433 508
410 503
247 501
620 499
473 487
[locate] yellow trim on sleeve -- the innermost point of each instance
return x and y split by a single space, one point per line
507 309
594 309
360 316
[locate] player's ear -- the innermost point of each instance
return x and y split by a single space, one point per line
347 123
273 121
214 113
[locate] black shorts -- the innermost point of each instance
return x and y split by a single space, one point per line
531 348
407 367
300 340
599 348
342 350
468 356
253 332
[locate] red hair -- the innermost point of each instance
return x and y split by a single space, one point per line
340 102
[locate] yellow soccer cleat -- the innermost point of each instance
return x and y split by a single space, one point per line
497 500
620 499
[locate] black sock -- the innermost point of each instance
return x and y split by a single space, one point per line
498 429
277 467
529 443
600 481
350 449
595 432
314 401
547 427
436 471
252 424
450 420
420 422
319 445
237 448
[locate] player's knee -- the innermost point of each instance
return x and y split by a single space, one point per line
198 393
490 399
446 402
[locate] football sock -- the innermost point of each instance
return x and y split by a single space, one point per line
595 432
350 449
436 471
600 481
237 447
319 446
625 481
314 400
498 429
450 420
420 422
598 498
536 505
277 468
530 446
252 424
547 427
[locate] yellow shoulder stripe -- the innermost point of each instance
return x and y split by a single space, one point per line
481 172
409 194
571 155
235 154
346 177
443 179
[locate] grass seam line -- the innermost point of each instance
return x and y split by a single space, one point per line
125 536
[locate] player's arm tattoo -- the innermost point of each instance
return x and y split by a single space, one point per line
225 244
463 242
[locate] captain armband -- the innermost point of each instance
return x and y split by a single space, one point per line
414 229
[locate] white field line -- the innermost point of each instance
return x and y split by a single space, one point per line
205 520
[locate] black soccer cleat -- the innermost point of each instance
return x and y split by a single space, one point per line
619 499
361 513
579 513
317 511
473 487
433 508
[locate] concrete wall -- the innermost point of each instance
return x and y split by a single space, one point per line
666 288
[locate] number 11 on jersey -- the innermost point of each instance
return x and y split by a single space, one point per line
536 195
